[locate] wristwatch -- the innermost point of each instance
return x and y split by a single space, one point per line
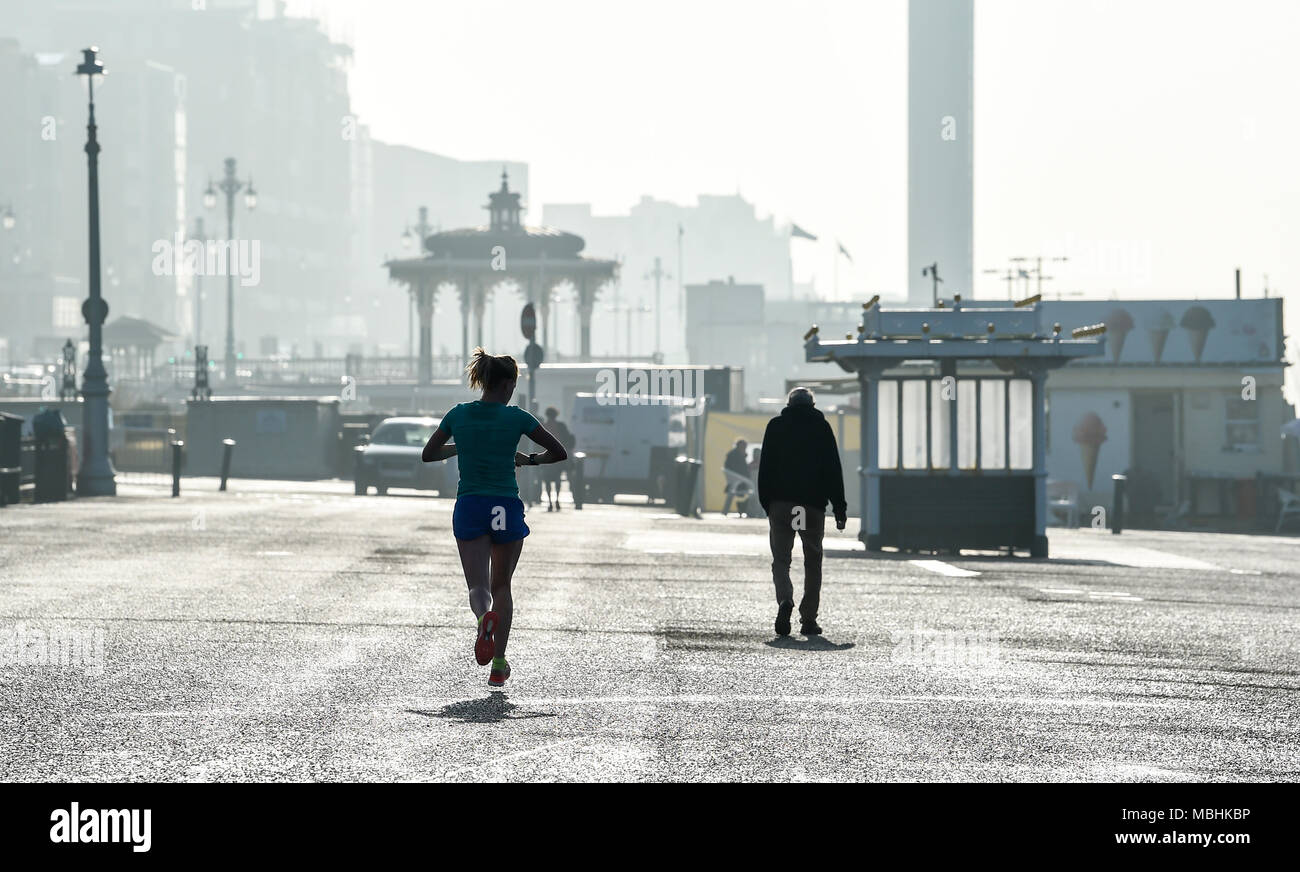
532 459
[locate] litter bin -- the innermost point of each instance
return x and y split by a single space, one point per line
688 473
53 472
11 457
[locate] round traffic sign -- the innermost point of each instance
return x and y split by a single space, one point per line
528 321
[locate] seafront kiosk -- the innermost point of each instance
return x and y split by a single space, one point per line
954 451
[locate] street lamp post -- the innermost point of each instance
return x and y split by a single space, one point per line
198 237
96 477
230 186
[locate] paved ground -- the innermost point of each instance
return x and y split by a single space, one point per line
294 631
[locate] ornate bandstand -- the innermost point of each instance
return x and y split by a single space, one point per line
479 262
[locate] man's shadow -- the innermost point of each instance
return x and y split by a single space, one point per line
492 709
808 643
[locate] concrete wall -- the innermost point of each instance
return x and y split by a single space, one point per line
29 406
294 437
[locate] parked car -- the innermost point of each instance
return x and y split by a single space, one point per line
391 458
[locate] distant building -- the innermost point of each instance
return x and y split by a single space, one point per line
787 321
733 324
725 324
721 235
41 275
189 85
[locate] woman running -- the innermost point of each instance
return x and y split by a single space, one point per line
488 520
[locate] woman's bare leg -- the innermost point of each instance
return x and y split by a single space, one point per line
475 555
504 559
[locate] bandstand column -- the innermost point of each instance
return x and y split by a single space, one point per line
464 289
424 291
586 303
479 292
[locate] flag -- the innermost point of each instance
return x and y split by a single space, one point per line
797 232
681 231
844 251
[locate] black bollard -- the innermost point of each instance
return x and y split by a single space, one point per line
228 448
1117 504
177 447
577 483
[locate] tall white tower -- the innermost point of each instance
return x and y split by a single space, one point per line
940 146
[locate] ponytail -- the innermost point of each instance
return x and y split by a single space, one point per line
485 372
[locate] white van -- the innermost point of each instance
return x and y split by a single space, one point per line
631 443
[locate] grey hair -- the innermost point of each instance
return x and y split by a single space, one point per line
800 397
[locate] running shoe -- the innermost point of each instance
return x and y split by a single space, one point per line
485 646
500 672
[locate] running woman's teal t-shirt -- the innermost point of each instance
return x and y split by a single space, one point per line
487 436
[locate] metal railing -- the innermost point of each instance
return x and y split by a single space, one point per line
322 370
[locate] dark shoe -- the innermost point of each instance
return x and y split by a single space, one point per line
783 619
810 628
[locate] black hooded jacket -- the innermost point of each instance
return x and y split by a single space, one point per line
800 461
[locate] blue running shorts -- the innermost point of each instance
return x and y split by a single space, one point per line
477 515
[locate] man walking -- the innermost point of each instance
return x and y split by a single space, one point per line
798 473
551 474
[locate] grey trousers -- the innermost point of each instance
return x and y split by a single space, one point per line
809 522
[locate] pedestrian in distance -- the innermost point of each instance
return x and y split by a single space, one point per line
739 485
798 474
551 475
488 518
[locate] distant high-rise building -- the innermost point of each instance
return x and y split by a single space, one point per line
940 146
189 85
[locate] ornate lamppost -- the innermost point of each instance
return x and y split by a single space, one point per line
96 477
197 236
230 186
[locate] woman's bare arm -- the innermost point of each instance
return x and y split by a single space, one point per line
437 448
554 453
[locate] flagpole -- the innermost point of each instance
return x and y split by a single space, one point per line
796 232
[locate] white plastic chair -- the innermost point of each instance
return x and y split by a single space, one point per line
1063 501
739 487
1290 506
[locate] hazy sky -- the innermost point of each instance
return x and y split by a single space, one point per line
1154 141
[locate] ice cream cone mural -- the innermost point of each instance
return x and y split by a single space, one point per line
1089 433
1158 327
1198 322
1118 324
